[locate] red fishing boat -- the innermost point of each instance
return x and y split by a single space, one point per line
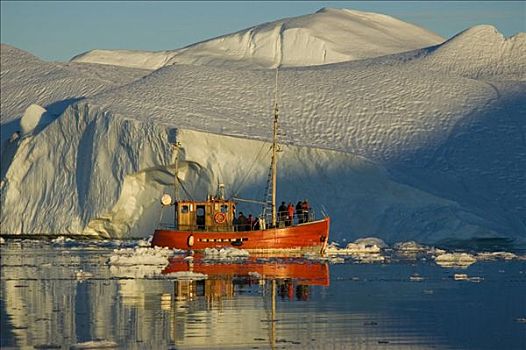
213 223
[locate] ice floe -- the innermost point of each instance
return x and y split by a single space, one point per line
141 256
95 344
225 253
490 256
455 260
363 250
186 275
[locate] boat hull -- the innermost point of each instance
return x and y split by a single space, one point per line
307 237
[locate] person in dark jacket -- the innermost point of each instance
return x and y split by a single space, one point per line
282 213
306 210
242 222
299 212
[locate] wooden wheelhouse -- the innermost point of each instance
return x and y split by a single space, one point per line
213 215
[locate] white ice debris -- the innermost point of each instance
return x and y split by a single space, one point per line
465 277
455 260
416 278
95 344
460 277
489 256
2 240
186 275
141 256
225 253
410 247
363 250
360 246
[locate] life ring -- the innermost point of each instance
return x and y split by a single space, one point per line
219 218
190 240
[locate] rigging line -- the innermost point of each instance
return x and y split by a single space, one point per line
242 182
184 189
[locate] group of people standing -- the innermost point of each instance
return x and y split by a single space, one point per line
302 212
243 223
286 215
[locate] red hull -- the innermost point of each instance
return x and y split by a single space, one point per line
311 236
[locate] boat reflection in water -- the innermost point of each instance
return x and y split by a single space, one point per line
214 280
289 279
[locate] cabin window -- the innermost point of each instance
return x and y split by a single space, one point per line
224 208
200 211
184 209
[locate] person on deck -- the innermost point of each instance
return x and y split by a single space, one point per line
299 212
241 222
306 210
282 213
290 211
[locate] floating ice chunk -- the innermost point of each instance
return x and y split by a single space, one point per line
368 258
2 240
186 275
95 344
364 250
416 278
361 246
145 242
330 258
460 260
371 241
460 277
485 256
141 256
225 253
410 247
136 271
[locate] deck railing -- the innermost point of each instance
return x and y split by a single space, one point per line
283 221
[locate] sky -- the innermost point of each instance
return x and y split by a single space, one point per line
59 30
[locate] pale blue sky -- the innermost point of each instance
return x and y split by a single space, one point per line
59 30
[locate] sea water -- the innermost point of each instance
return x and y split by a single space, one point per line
112 294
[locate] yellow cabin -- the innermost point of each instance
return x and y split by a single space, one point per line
212 215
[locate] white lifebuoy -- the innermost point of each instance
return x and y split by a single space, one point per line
219 218
190 240
166 200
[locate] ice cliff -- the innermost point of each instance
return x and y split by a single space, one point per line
427 145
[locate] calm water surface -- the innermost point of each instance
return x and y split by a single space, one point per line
62 295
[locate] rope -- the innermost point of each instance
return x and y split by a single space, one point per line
184 189
242 182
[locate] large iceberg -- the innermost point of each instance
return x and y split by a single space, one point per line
414 146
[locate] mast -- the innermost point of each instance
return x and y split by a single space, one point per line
176 146
274 152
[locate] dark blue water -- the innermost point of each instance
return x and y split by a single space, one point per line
46 301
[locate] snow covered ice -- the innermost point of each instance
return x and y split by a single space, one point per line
423 145
327 36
